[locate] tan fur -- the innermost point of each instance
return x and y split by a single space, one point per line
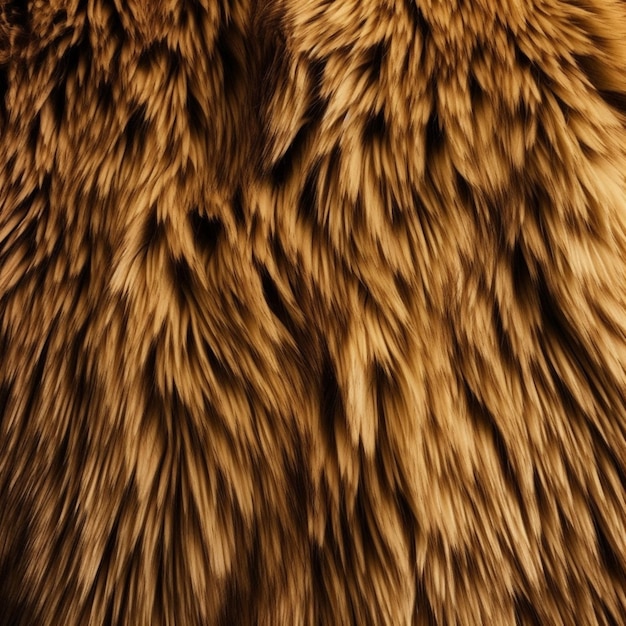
313 312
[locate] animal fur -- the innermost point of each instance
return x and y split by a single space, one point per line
312 313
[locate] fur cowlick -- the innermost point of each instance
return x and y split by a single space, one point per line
312 313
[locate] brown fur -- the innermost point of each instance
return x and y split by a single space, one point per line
313 312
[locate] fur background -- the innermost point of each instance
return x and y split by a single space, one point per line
312 312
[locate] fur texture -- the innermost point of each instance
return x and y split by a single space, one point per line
313 312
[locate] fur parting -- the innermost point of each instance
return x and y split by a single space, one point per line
312 313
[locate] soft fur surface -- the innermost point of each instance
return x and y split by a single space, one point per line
313 312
